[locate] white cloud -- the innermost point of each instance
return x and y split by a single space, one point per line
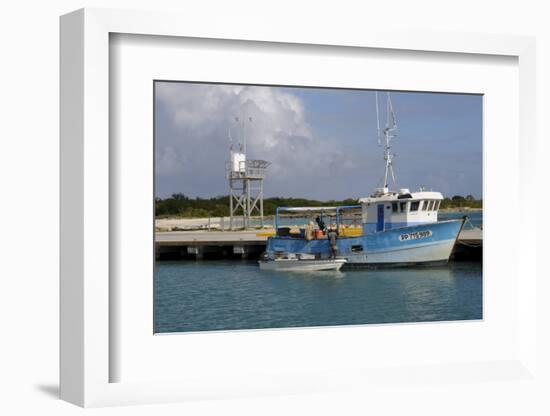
330 152
192 137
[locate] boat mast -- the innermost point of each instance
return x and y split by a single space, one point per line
389 134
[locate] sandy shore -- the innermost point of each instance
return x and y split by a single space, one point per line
214 223
222 223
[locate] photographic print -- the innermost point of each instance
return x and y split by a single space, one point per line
287 206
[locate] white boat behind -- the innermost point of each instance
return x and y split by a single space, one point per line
301 263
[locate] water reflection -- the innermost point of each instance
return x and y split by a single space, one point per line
212 295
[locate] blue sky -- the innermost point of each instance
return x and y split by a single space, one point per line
322 143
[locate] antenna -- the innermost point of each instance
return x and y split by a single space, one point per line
391 127
242 139
392 113
229 135
377 118
244 134
239 139
243 121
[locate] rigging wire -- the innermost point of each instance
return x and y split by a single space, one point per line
378 119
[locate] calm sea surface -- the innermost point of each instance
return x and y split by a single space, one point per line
234 294
475 218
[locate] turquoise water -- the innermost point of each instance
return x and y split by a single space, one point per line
234 294
475 218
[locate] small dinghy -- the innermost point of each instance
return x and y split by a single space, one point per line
299 262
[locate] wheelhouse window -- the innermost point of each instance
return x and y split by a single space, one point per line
394 207
436 207
415 205
431 205
425 205
403 206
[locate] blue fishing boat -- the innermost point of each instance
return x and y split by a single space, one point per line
398 228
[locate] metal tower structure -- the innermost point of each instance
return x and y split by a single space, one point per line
389 134
246 181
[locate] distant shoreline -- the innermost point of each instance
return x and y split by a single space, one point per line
226 218
221 223
459 209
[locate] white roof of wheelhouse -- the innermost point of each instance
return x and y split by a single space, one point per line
400 196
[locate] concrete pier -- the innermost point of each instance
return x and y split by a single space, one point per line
469 245
245 244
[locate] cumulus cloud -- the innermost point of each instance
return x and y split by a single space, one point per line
192 143
321 143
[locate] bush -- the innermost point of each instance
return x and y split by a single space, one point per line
179 205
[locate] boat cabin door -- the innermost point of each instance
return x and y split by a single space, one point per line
380 218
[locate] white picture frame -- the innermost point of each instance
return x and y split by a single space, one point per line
86 355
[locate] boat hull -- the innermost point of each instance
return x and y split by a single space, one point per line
428 254
301 265
422 244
